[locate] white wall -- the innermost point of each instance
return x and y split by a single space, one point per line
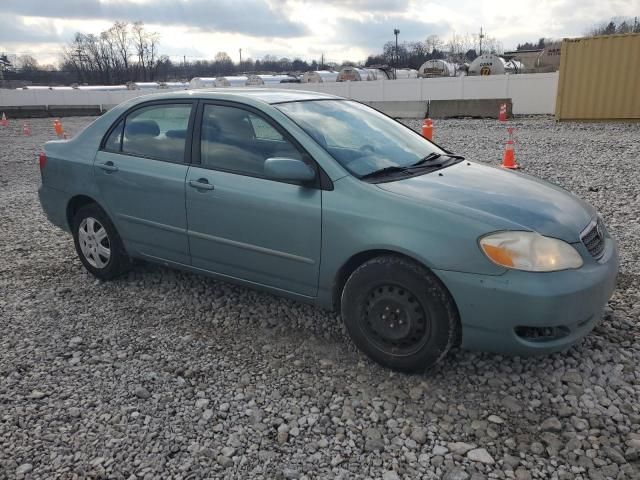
28 98
533 93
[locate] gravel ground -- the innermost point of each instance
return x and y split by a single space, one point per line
163 374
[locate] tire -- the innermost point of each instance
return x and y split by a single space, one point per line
98 244
399 314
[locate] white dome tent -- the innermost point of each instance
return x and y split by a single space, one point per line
319 76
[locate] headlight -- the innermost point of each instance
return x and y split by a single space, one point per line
529 251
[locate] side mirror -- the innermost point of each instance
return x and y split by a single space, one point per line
288 169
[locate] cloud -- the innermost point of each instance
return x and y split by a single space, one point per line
14 30
250 17
370 5
339 29
378 31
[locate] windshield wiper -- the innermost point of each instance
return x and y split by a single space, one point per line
434 156
410 168
384 171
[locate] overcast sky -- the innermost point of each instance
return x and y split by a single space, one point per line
348 29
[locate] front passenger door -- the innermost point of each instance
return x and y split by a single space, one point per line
241 224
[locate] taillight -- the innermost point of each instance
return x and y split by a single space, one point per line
42 160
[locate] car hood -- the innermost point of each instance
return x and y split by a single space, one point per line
512 199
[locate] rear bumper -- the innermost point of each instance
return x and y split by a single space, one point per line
492 308
54 204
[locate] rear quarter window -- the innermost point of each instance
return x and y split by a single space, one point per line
114 141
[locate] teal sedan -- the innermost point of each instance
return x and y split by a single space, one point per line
330 202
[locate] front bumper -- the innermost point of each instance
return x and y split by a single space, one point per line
493 309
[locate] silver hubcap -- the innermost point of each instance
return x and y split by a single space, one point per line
94 242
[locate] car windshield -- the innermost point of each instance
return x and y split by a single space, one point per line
360 138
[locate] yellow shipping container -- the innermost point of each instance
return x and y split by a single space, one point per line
599 78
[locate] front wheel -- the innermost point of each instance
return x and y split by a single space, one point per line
399 314
98 244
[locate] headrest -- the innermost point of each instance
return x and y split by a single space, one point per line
234 122
210 128
142 128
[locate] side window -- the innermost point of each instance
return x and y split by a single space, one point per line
239 141
157 131
114 142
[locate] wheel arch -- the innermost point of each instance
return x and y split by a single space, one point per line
350 266
76 203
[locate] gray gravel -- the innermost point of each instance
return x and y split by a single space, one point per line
163 374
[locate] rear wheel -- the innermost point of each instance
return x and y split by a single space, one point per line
399 314
98 244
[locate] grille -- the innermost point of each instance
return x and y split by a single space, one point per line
593 239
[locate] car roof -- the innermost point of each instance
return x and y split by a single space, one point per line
264 95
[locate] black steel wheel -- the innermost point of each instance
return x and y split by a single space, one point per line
394 319
399 313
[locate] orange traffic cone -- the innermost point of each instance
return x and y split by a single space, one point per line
26 131
427 129
57 126
4 122
509 156
502 115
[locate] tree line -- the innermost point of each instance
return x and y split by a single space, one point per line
124 52
458 49
128 52
613 27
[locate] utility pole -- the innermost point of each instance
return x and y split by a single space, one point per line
240 59
396 32
78 58
481 37
322 61
184 65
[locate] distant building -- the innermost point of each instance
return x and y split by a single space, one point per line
538 60
527 57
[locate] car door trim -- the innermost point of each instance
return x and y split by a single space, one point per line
231 278
150 223
248 246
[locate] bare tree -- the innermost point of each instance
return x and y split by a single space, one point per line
140 46
122 40
433 42
26 63
458 46
122 53
223 63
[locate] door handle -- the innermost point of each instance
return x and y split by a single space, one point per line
108 167
201 183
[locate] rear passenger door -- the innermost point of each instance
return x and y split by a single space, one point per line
140 170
